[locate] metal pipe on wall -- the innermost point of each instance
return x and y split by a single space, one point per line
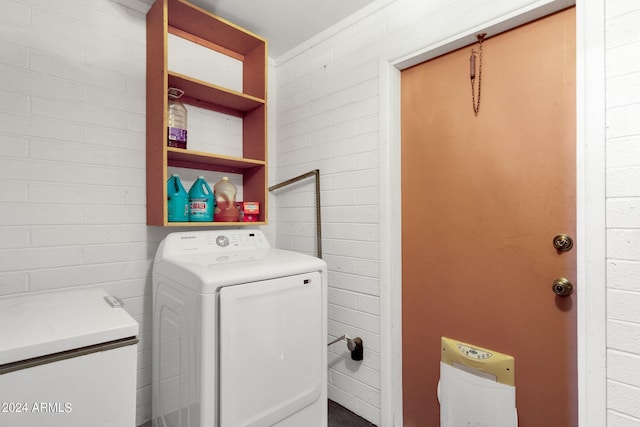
314 173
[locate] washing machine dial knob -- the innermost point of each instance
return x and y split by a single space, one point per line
222 241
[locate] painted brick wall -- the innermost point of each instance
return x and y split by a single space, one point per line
623 218
72 163
72 207
72 166
328 117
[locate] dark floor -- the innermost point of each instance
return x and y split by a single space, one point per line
339 416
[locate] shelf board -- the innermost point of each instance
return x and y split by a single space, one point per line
213 97
200 160
190 22
203 24
214 224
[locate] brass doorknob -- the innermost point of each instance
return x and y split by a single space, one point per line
562 287
563 242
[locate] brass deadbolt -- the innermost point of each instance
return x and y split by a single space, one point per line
563 242
562 287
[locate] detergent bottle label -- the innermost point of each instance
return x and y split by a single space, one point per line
201 202
199 206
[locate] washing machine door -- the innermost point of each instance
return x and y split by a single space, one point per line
270 349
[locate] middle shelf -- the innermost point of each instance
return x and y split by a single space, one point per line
191 159
213 97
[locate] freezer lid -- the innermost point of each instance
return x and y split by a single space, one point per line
40 324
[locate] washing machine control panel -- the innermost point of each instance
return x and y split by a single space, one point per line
235 240
214 242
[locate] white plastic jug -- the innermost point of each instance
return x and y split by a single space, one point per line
226 209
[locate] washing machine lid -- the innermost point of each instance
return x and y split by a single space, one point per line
206 273
205 261
41 324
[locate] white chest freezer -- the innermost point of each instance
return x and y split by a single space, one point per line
67 358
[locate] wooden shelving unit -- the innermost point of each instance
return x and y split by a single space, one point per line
192 23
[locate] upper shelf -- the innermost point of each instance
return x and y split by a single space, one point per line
200 23
194 24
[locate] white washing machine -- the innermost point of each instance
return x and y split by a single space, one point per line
239 333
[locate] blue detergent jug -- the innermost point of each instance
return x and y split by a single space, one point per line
177 200
201 202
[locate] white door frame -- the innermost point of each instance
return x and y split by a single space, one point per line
590 215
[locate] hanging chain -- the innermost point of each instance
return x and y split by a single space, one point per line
472 59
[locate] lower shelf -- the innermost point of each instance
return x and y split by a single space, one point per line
214 224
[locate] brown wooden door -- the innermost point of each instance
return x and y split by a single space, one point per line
482 199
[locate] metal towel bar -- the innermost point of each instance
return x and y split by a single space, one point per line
315 173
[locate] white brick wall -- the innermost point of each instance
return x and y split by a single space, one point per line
623 220
72 167
72 163
328 118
